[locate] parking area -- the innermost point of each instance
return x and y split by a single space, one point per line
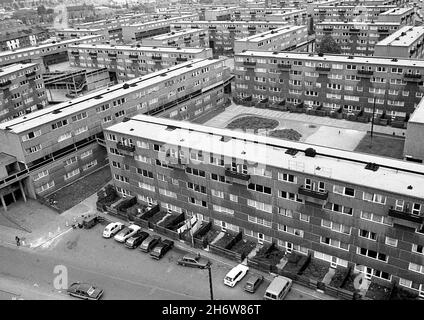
131 274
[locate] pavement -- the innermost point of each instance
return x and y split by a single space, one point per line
234 111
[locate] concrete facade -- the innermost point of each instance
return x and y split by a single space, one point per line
407 42
183 38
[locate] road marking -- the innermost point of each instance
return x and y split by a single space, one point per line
138 283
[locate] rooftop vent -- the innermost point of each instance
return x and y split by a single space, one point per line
125 86
372 166
98 97
350 57
310 152
291 152
410 187
56 111
126 119
320 54
394 60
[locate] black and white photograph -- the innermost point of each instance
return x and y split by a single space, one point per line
207 158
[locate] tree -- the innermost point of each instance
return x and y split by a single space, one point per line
41 10
328 45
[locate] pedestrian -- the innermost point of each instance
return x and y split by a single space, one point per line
339 131
17 241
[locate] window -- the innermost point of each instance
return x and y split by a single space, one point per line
233 198
167 193
346 191
285 212
79 116
257 220
196 172
64 136
70 161
416 267
145 173
337 227
89 165
197 202
143 144
391 242
41 174
372 254
417 248
222 209
33 149
86 154
142 159
259 205
374 197
289 196
146 186
31 135
293 231
217 193
303 217
287 177
367 234
338 208
196 187
375 218
259 188
59 124
335 243
71 174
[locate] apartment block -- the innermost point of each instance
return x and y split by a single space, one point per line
222 34
71 33
404 15
296 17
351 13
21 90
332 83
45 54
356 38
414 148
57 145
218 14
407 42
11 39
258 14
183 38
127 62
348 209
136 32
284 38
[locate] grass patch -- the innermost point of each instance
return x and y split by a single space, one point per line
316 270
378 292
338 278
382 146
253 123
244 246
211 235
224 240
271 255
288 134
78 191
294 262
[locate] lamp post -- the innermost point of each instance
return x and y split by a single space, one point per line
210 281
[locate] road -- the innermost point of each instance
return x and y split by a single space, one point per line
122 273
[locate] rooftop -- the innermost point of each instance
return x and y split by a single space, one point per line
160 21
404 37
49 45
397 11
418 115
4 71
392 176
249 23
37 118
334 58
359 23
141 48
174 34
271 34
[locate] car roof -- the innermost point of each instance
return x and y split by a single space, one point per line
253 277
237 269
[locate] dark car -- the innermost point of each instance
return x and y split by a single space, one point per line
149 243
85 291
193 260
161 249
134 241
253 283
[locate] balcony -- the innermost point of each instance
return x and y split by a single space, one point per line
237 177
405 218
382 30
182 59
187 39
134 56
171 42
31 74
178 164
327 29
354 30
249 63
5 84
93 54
367 73
157 57
202 35
129 150
284 66
315 196
75 53
111 55
323 69
411 77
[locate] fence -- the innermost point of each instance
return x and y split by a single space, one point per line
233 241
202 230
227 253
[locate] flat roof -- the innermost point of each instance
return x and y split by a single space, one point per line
174 34
4 71
404 37
359 23
334 58
40 117
161 20
48 45
77 30
141 48
397 11
392 176
271 34
230 22
418 115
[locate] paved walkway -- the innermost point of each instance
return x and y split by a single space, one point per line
234 110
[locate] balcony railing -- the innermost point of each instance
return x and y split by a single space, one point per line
133 56
408 216
321 195
249 63
93 54
354 30
171 42
412 76
124 147
182 59
111 55
238 177
323 69
284 66
31 74
75 52
157 57
5 84
366 72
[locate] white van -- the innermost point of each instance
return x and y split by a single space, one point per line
278 288
235 275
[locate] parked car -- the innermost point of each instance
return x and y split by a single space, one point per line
278 288
126 233
253 283
112 228
235 275
161 249
84 291
193 260
90 221
149 243
134 241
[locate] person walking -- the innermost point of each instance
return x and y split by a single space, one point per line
18 241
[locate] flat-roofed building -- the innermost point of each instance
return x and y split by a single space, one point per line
22 37
218 14
182 38
350 13
344 209
296 17
414 147
136 32
356 38
45 54
407 42
71 33
21 90
404 15
61 143
258 14
222 34
127 62
284 38
336 85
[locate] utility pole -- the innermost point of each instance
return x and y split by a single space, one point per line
210 281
